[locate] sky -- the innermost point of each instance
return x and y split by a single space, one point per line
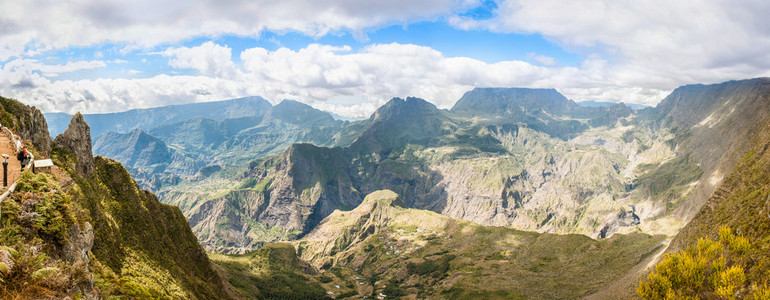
349 57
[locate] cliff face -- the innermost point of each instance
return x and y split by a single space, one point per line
86 228
142 241
302 187
715 123
741 202
137 241
77 139
27 122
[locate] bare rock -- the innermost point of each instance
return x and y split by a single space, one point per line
80 241
76 251
35 129
77 138
7 259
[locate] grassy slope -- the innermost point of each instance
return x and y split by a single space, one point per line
139 241
742 203
381 248
273 272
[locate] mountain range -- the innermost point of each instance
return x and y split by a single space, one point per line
511 193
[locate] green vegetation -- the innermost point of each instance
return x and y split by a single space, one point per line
272 272
742 204
38 217
710 268
13 113
137 240
395 250
669 182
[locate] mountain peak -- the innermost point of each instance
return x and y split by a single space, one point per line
400 108
498 101
77 138
296 112
400 122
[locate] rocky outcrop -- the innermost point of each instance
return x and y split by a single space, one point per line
36 131
27 122
76 251
77 139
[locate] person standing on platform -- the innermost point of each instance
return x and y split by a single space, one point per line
23 157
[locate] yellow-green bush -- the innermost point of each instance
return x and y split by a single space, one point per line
707 270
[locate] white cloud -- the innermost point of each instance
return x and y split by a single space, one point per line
634 51
145 23
542 59
323 76
50 70
208 58
651 44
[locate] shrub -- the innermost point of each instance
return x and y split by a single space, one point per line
55 215
709 268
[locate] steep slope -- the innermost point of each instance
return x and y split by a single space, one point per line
383 248
742 203
728 238
127 121
302 187
27 122
85 230
272 272
715 123
137 241
493 171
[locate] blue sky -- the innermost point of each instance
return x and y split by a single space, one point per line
350 57
489 47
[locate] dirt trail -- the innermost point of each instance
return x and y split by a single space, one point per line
14 167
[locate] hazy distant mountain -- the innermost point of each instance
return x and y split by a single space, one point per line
543 110
123 122
230 142
134 149
605 104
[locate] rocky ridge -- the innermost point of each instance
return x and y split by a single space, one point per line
384 248
501 158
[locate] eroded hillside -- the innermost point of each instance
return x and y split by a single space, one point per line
525 158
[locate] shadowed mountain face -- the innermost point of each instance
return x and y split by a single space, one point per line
742 203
